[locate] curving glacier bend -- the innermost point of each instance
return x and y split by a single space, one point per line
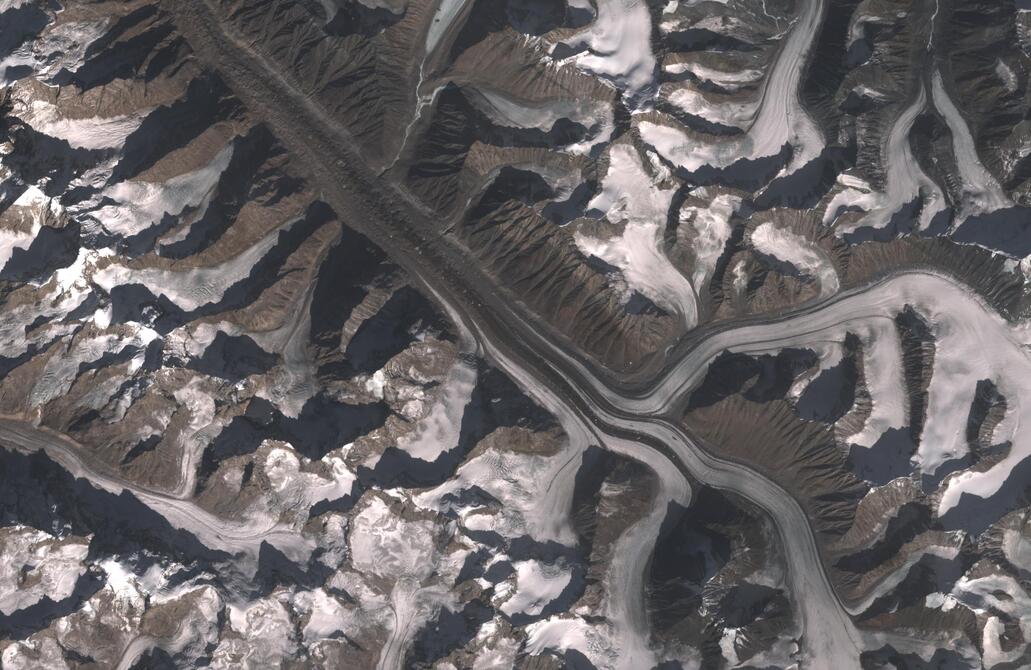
523 334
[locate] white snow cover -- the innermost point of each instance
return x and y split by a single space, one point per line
621 640
973 342
630 197
34 653
6 5
624 608
725 112
196 287
85 133
993 593
806 257
16 337
829 353
674 145
495 651
440 430
34 564
728 80
537 584
39 208
893 579
535 490
829 630
1006 74
781 118
196 399
904 181
982 193
711 227
510 112
294 380
1017 549
532 489
558 633
991 641
122 581
119 606
60 372
234 536
294 489
138 205
198 630
61 46
267 637
882 365
618 45
387 545
326 615
728 642
446 12
856 194
402 551
396 7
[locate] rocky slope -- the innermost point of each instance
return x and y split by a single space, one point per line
245 422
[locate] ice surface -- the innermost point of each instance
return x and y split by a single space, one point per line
537 584
727 113
138 205
982 193
40 209
267 637
34 564
781 118
535 492
447 11
997 594
296 489
631 198
728 80
60 372
711 227
509 112
1017 549
193 288
618 46
242 537
82 133
806 257
972 342
439 431
384 544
